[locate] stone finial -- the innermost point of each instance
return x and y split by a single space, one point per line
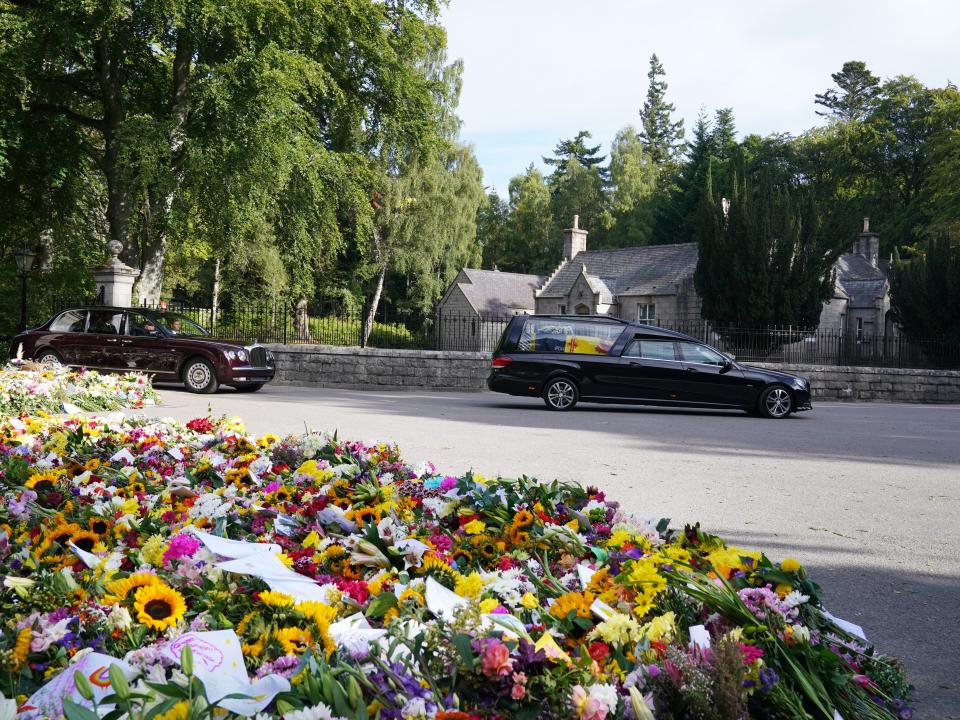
866 224
576 222
114 247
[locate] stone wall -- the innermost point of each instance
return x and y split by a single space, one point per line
869 383
376 369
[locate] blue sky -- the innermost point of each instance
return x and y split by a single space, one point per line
538 71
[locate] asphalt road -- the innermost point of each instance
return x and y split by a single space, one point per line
866 495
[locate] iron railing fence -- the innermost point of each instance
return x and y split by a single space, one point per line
328 324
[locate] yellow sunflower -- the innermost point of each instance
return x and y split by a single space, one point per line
276 599
438 568
85 540
294 641
21 649
159 606
119 589
42 482
98 525
573 601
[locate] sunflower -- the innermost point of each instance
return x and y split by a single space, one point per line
282 494
85 540
93 464
180 711
119 589
276 599
572 602
159 606
487 547
42 482
21 649
438 568
98 525
294 641
58 534
364 515
320 614
522 518
254 649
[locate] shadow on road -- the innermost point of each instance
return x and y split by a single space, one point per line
874 432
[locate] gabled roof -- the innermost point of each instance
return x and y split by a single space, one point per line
862 283
495 292
625 270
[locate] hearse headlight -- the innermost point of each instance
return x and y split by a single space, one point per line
231 355
242 355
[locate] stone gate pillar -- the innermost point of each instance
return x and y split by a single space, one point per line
115 279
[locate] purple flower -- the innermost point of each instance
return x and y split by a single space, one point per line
18 508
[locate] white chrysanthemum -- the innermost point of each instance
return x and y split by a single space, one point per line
795 598
317 712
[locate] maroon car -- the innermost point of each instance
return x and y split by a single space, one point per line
164 344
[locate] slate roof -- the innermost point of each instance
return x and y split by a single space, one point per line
635 270
860 281
495 292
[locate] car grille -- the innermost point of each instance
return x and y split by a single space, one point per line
258 357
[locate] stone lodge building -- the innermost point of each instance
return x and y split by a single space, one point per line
653 284
471 312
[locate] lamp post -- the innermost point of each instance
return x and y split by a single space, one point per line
24 258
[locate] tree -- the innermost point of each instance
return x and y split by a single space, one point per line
577 185
633 182
156 92
854 95
763 259
492 218
662 136
925 292
533 246
425 205
575 149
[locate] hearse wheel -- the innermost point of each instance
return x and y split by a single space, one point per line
776 402
48 357
561 394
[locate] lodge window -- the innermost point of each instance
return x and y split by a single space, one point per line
646 312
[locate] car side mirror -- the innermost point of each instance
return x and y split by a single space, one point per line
727 366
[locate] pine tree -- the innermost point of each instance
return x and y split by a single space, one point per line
854 95
576 149
662 137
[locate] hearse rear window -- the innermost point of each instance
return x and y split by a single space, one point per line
555 335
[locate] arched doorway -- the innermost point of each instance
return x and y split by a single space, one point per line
582 309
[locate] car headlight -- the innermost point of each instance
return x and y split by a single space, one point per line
231 355
242 355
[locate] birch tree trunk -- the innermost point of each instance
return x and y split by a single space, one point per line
215 296
374 302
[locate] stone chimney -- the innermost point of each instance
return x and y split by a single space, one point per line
574 240
867 244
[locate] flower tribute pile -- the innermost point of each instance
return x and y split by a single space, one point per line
156 570
27 387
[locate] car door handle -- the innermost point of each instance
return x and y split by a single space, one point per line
112 340
691 370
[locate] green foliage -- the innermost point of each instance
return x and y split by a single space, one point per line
925 292
533 245
633 184
854 94
662 136
763 258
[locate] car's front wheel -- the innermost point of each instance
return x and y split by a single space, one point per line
48 357
775 402
199 376
561 394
